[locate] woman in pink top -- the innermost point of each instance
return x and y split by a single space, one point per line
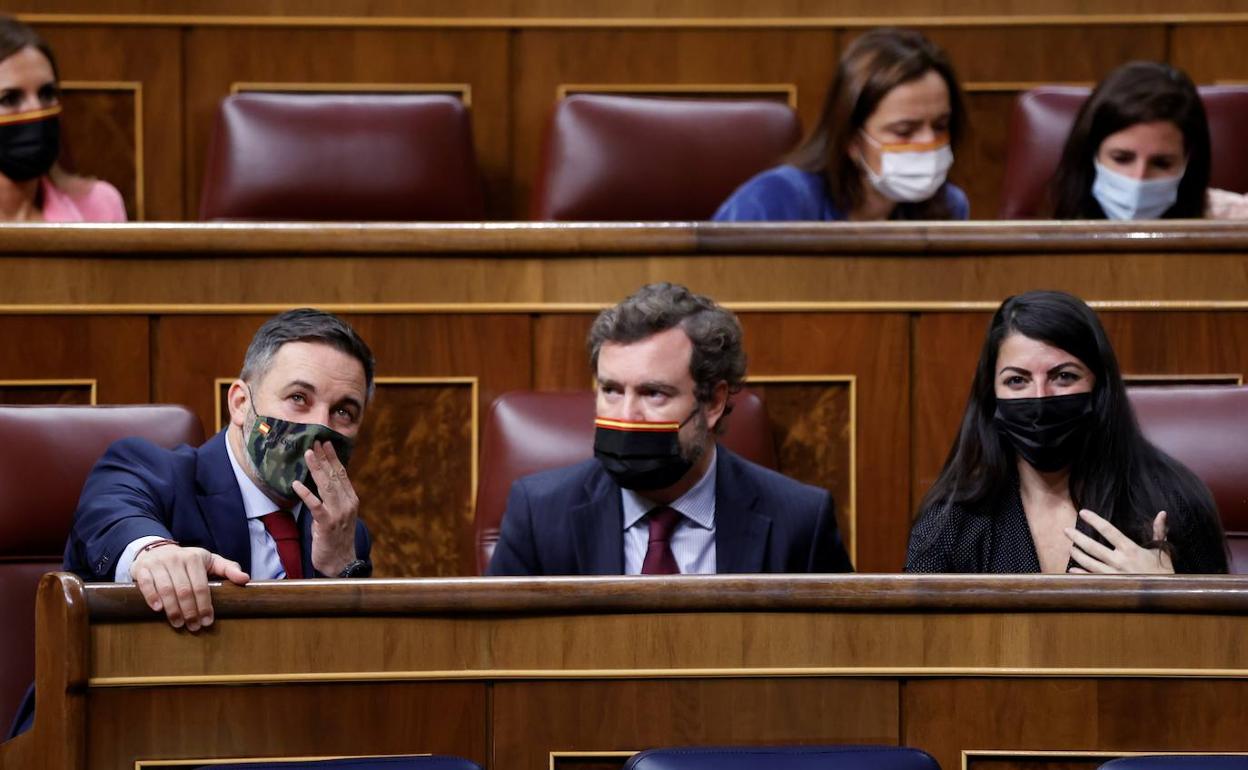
32 187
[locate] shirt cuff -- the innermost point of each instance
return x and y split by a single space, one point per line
127 557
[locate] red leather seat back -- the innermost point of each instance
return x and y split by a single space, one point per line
1206 429
337 157
1042 120
529 431
1227 108
45 456
615 158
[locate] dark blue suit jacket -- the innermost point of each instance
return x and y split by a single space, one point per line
187 494
570 521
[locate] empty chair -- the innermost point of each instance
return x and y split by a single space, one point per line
44 459
1206 429
613 158
1042 120
1180 762
340 157
529 431
420 762
783 758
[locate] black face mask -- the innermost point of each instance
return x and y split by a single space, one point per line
29 143
1046 432
641 455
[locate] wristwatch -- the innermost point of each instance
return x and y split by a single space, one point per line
357 569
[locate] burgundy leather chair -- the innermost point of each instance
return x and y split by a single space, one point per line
1205 427
45 456
615 158
530 431
337 157
1042 120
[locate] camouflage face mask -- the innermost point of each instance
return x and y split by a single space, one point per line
276 448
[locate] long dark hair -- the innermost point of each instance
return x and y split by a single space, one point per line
874 64
1117 472
14 36
1138 92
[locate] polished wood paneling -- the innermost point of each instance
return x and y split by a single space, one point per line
1055 11
45 392
534 719
1138 715
1210 54
151 57
216 58
513 672
112 350
552 58
291 721
874 348
560 355
101 137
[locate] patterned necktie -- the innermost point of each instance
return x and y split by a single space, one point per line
285 532
659 558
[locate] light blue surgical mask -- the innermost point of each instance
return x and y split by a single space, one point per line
1122 197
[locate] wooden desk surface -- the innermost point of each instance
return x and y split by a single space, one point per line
486 267
1035 672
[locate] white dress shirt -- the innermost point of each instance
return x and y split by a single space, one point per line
265 563
693 541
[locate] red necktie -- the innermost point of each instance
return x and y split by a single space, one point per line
659 558
285 532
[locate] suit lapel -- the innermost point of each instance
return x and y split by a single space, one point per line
741 532
598 528
220 502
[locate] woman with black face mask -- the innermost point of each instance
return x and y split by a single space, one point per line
1050 472
33 188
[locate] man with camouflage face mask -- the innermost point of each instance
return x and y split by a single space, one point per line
266 498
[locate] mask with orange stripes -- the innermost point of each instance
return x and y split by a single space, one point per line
909 172
29 143
641 455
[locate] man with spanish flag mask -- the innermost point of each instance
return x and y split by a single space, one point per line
661 496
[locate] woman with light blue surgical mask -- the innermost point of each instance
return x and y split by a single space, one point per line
882 149
1140 149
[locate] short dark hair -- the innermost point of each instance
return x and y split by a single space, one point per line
1137 92
15 36
718 355
874 64
305 324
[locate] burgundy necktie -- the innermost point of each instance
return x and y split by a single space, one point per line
285 532
659 558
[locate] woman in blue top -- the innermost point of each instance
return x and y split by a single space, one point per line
883 146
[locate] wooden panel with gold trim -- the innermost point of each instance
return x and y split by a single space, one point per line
79 392
103 136
588 760
954 720
286 721
606 720
814 424
144 763
83 359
